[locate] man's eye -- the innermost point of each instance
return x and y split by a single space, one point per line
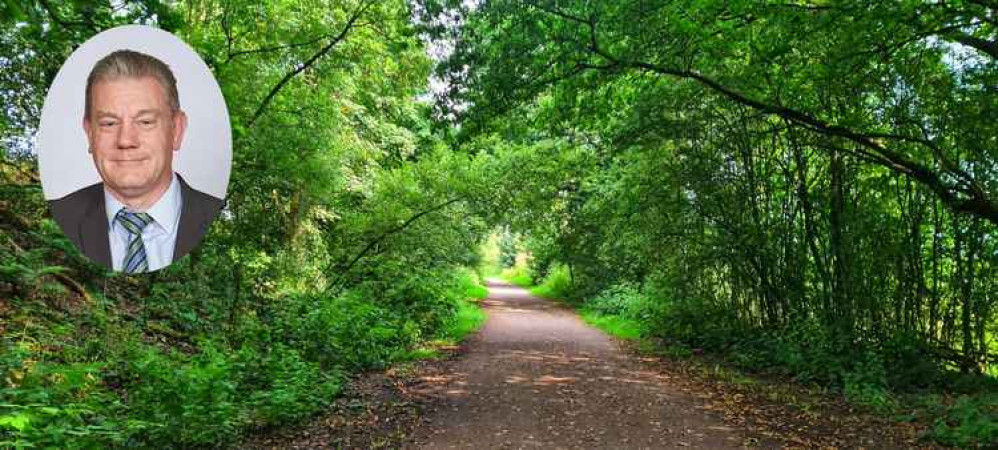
108 123
147 122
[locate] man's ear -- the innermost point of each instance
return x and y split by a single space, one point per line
90 138
179 127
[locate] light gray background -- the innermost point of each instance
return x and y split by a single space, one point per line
205 156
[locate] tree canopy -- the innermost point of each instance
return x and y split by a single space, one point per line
804 186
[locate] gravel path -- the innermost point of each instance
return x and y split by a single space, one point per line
536 376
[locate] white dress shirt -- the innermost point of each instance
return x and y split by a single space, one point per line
159 237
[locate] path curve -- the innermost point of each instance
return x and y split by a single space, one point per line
536 376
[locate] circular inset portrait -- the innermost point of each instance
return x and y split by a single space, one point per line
135 149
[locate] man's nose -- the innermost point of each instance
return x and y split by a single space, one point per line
128 135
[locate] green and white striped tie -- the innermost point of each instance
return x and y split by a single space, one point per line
135 255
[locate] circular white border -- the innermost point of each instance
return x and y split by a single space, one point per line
205 156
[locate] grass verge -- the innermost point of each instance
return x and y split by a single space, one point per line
556 285
468 318
617 326
519 276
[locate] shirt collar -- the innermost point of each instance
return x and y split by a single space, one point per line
165 212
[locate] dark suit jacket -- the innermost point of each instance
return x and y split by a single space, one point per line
83 218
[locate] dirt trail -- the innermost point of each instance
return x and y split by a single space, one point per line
536 376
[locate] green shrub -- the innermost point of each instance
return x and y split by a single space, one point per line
865 382
556 285
806 350
913 364
476 292
55 405
347 331
470 283
625 310
972 421
188 403
518 275
617 326
469 318
427 298
628 300
295 388
153 379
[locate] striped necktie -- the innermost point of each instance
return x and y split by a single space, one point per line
135 254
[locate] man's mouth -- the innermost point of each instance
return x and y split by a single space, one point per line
129 161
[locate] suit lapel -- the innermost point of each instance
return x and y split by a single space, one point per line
192 224
94 231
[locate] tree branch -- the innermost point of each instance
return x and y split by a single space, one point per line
381 237
977 202
311 61
993 6
984 45
971 198
273 48
63 22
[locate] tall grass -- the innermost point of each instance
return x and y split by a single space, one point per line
617 326
467 319
623 311
556 285
469 316
518 275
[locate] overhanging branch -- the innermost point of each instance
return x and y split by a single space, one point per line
381 237
966 195
339 37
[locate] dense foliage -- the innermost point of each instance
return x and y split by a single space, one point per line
804 185
339 250
808 187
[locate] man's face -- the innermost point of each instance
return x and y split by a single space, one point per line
133 134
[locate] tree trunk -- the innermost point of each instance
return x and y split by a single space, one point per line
937 230
840 283
810 227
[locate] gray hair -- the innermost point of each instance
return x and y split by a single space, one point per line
132 64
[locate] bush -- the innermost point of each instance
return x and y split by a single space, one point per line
294 389
347 331
865 382
626 300
469 318
807 350
913 364
160 381
471 285
624 310
518 275
55 405
556 285
972 421
188 404
427 299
